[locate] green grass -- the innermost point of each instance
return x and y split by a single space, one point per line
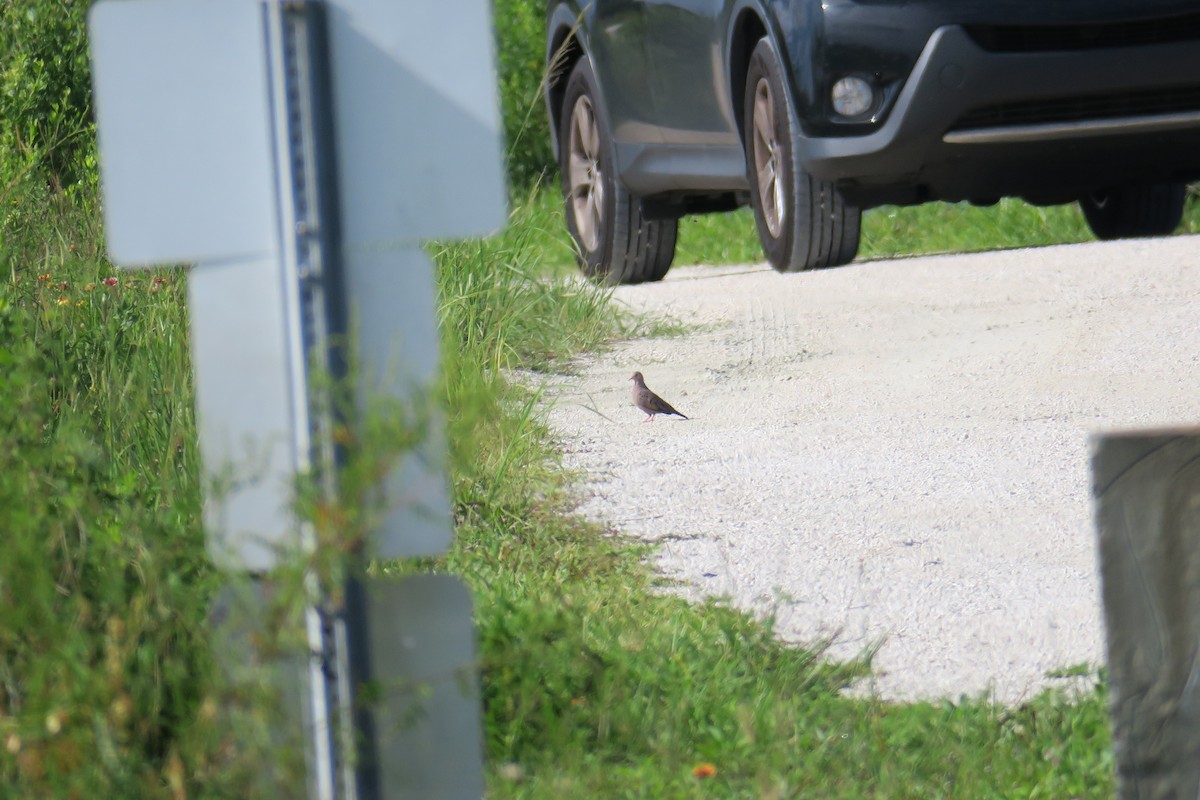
595 684
102 580
898 231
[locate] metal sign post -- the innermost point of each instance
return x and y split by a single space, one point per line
297 152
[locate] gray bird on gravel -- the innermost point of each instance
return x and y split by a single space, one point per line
648 401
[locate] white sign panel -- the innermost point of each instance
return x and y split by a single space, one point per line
184 130
190 145
245 409
418 121
392 297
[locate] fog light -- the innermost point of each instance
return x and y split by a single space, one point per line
852 97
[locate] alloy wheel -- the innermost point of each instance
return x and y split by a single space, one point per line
584 174
767 157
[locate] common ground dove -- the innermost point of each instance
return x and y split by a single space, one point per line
648 401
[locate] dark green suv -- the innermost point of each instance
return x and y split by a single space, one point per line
813 110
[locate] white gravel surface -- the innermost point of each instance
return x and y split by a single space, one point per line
894 452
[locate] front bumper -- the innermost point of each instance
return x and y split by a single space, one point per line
975 124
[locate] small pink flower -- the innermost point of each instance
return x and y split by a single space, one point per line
110 281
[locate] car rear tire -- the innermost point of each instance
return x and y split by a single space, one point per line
614 241
1124 212
803 223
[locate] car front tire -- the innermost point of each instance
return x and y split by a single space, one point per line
803 223
1132 211
614 242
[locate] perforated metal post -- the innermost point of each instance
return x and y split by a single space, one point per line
307 185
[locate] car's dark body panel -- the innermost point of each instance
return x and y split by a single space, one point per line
907 159
685 48
671 92
618 54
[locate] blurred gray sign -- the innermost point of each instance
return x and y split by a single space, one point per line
296 154
1147 493
419 144
190 145
184 131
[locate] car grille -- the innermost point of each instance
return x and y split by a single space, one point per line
1043 38
1075 109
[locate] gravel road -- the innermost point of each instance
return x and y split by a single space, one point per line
894 453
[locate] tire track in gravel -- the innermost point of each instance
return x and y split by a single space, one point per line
894 452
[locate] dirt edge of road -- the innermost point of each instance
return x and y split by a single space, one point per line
894 452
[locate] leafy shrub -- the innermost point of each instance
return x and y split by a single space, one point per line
46 126
102 583
46 129
521 63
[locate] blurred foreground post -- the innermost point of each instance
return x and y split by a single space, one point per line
297 153
1147 491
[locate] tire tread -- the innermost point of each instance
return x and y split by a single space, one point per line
632 248
823 229
1135 211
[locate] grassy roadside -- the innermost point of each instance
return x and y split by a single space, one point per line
892 231
103 583
594 685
